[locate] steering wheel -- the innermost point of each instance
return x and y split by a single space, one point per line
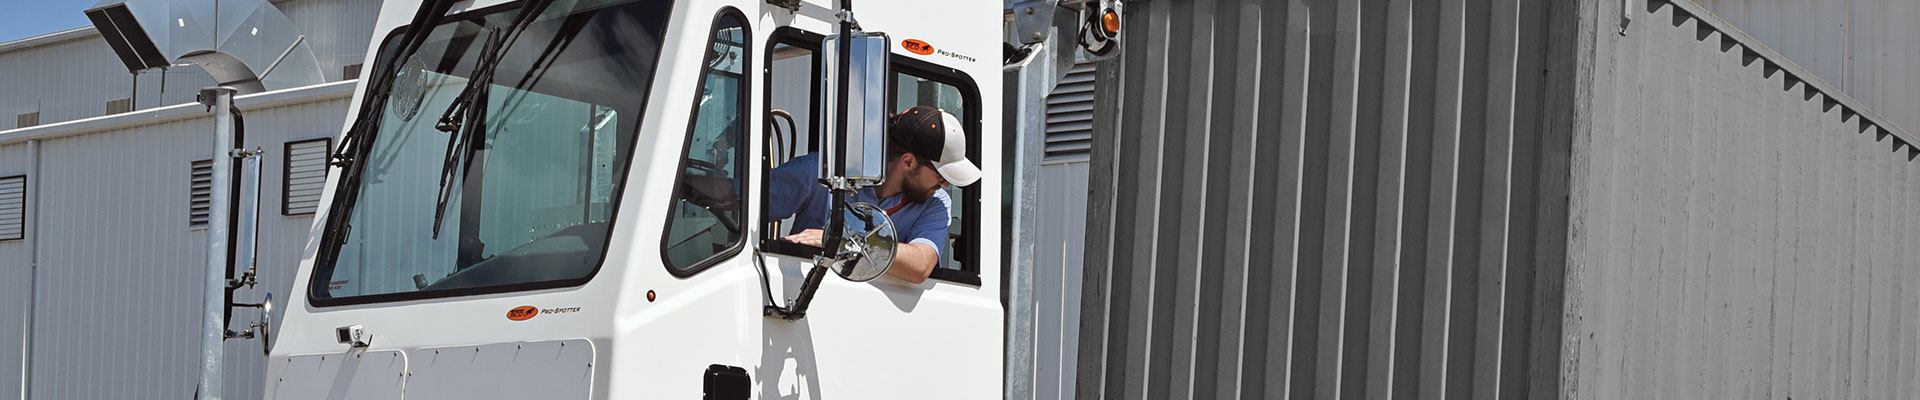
706 168
707 186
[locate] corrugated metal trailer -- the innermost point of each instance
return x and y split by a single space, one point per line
111 268
1487 199
1864 47
1741 227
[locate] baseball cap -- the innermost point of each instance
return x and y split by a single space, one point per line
935 136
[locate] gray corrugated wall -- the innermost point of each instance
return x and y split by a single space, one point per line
1329 199
1741 231
14 275
1865 47
1063 221
1484 198
116 315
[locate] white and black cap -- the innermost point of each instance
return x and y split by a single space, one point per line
935 136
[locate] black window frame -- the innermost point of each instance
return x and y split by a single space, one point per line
769 240
968 247
741 167
286 172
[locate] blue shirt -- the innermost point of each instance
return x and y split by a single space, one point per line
796 192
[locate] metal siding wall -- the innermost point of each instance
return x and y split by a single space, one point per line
1057 278
118 277
1866 47
1062 179
120 268
338 31
75 79
1737 231
1328 199
14 278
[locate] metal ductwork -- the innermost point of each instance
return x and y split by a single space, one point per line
246 44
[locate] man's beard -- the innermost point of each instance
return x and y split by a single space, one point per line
921 194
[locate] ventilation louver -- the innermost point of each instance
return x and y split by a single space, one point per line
1070 117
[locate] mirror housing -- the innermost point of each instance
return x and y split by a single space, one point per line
857 155
867 245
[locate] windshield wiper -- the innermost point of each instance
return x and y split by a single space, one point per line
466 122
355 144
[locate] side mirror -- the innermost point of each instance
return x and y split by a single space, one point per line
859 155
867 244
247 236
262 328
265 326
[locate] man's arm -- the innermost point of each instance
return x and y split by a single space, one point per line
914 262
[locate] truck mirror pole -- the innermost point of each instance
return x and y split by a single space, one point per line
855 158
213 313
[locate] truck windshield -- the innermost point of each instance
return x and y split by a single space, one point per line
530 201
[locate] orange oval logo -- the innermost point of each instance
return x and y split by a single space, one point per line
917 47
522 313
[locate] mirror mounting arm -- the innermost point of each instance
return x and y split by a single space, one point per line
797 307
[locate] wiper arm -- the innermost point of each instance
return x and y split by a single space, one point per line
466 122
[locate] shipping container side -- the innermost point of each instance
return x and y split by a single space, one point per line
1735 220
1398 166
1488 199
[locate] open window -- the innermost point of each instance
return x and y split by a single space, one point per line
919 83
793 107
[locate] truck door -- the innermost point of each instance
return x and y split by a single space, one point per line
699 311
887 338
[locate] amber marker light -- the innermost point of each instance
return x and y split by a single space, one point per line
1110 21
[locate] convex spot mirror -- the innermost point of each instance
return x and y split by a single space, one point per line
867 244
265 326
860 155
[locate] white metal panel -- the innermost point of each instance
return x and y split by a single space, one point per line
525 370
374 375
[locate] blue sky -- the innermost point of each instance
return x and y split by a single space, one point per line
21 19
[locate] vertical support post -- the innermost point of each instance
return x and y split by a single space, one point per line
1025 117
33 267
213 330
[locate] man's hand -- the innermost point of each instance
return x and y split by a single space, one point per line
810 237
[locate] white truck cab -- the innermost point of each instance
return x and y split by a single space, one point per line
591 222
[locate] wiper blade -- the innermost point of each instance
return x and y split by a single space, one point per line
466 122
354 145
462 122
